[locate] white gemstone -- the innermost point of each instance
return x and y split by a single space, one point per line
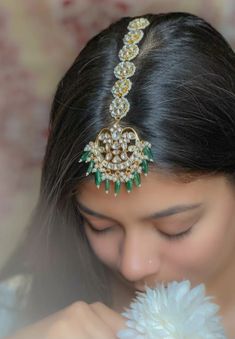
101 136
124 69
128 52
121 87
101 149
119 107
115 145
124 156
108 156
116 135
107 147
131 135
131 148
138 23
116 159
133 35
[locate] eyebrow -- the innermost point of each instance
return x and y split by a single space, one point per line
160 214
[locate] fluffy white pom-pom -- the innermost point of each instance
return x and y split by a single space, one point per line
172 312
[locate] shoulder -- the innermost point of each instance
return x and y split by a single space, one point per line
13 298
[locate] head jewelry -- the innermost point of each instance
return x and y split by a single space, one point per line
117 154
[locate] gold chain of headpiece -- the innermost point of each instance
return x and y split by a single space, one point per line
117 154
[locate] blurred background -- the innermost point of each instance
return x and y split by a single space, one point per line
38 42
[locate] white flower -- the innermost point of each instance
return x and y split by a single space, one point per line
172 312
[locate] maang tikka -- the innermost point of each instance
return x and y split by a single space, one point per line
117 154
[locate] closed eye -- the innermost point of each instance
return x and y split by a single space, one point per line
166 235
176 236
95 230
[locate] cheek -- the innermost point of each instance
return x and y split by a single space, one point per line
207 249
105 247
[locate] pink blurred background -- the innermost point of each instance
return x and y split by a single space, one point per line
38 42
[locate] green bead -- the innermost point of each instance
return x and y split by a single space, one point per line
148 152
117 187
129 185
144 166
84 156
98 178
90 168
151 153
107 185
145 150
137 179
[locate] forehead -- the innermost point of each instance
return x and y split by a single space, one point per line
157 192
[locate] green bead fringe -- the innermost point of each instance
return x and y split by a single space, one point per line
107 185
117 187
98 178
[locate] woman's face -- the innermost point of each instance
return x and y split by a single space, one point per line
165 230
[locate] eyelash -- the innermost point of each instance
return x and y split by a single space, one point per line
170 237
178 236
94 229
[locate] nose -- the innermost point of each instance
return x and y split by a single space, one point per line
139 257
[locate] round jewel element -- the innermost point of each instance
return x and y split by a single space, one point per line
138 23
116 134
119 108
128 52
121 87
108 156
124 156
133 37
124 69
116 159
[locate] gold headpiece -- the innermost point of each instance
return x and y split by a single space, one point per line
118 154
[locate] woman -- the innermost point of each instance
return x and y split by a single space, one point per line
86 251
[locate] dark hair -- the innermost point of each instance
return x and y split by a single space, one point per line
182 101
